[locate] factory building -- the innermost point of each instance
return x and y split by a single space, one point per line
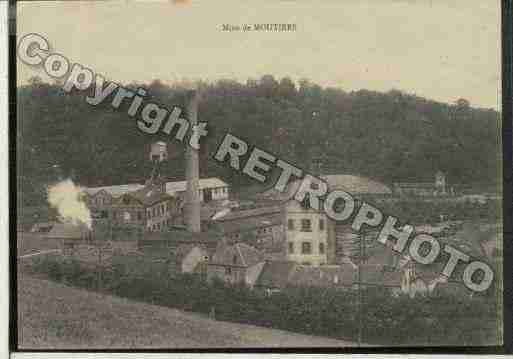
311 237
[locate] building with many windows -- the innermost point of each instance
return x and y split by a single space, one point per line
306 234
314 239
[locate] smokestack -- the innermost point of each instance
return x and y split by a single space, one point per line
192 206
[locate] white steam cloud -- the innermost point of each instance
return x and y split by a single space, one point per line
66 197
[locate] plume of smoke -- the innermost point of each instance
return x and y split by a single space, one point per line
66 198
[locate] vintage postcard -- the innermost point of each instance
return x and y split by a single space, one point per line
276 174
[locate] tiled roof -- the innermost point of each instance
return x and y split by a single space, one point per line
275 274
239 254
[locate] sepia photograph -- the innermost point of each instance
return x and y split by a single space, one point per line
229 175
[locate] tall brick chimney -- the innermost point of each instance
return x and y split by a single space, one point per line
192 206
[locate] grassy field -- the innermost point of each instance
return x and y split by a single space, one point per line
55 316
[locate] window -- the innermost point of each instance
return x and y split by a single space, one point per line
291 247
291 224
321 248
139 215
306 225
321 224
306 248
234 259
227 271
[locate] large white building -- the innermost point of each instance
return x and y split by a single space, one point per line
210 189
306 234
312 238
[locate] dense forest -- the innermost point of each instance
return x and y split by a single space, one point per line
390 136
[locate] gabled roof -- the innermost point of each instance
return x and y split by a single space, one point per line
275 274
239 254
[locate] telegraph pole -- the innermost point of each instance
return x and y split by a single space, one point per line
360 293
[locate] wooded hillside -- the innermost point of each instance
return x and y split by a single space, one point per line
389 136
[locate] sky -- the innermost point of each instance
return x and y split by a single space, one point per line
442 50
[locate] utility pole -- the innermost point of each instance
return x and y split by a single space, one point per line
360 293
99 284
